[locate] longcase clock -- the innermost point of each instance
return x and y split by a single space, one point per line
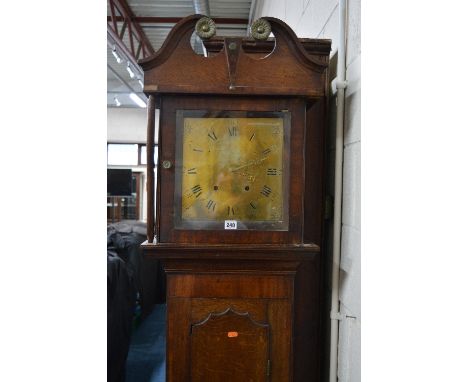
240 201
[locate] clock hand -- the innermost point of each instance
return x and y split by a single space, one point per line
251 163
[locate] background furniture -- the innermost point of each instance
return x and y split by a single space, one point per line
130 286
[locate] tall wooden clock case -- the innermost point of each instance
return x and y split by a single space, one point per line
240 201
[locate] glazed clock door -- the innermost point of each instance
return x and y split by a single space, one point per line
231 170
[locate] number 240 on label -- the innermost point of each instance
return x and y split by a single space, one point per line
230 224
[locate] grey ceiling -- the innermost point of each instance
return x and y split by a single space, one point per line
119 83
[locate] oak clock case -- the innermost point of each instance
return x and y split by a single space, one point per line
230 170
241 137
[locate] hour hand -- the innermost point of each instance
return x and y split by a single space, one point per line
249 163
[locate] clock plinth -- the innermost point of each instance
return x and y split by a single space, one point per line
240 203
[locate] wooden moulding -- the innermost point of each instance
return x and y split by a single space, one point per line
150 168
293 68
226 252
318 48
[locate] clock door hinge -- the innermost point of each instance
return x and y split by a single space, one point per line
268 368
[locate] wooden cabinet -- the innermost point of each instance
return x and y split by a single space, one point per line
240 146
242 313
240 325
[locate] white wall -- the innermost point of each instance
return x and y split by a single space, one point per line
319 19
128 125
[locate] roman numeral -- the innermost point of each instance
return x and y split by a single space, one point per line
272 171
251 137
213 136
230 210
252 205
197 190
198 150
232 131
266 191
266 151
192 171
211 205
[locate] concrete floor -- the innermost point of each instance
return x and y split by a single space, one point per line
146 361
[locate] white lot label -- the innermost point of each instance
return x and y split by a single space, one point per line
230 224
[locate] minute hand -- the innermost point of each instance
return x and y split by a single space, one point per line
251 163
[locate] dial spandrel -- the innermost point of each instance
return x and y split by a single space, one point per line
232 167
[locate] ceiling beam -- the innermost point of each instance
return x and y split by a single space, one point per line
174 20
135 31
114 39
127 12
113 17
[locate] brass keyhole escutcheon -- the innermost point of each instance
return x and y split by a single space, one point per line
167 164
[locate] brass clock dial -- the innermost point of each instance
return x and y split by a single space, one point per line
233 169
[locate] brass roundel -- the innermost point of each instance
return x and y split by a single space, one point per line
260 29
205 28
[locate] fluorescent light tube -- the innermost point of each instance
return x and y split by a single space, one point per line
116 55
117 102
137 100
130 71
